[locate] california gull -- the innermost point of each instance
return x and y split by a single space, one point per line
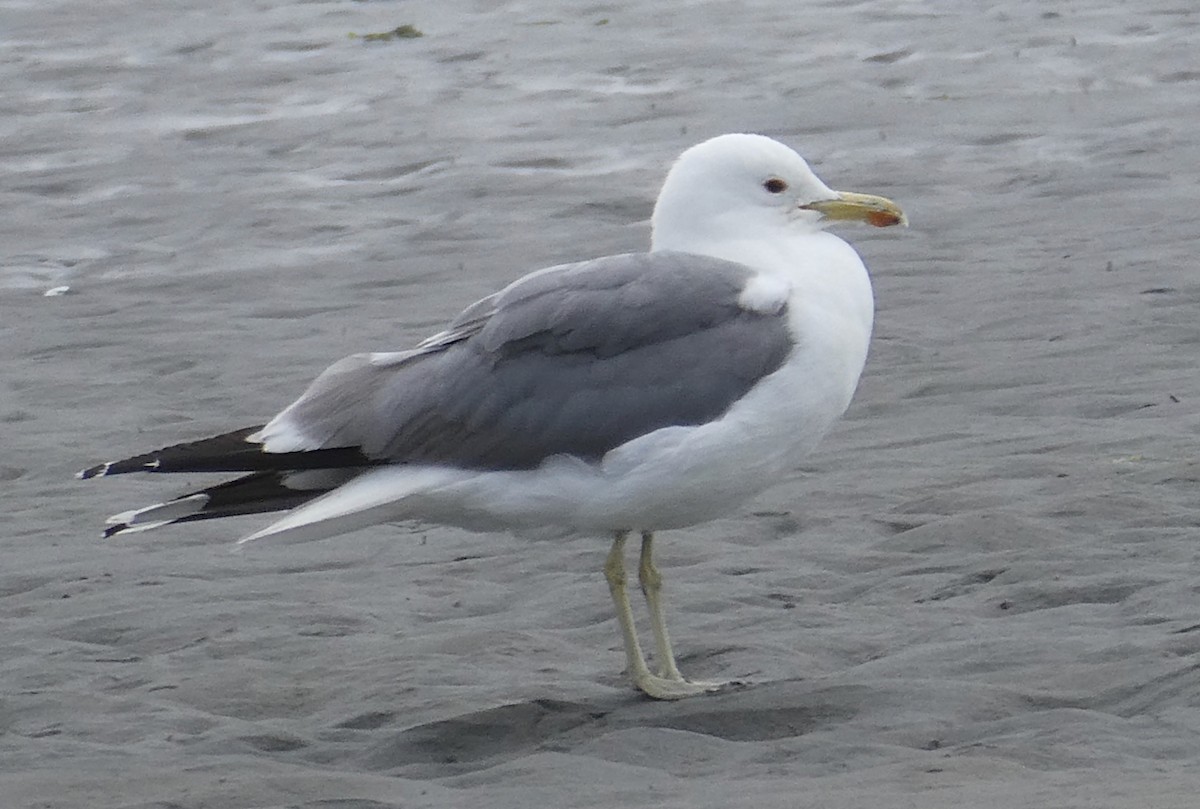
630 393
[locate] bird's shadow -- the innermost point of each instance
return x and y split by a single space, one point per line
481 739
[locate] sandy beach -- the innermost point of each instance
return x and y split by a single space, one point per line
981 591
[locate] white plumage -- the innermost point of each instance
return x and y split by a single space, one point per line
632 393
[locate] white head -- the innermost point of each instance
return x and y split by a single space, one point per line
735 187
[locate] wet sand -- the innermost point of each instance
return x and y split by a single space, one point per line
980 592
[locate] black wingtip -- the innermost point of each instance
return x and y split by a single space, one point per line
230 452
141 463
113 530
99 470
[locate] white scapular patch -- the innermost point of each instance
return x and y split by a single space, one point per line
766 294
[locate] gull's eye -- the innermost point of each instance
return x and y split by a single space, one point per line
775 185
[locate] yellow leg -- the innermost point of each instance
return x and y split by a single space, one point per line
671 685
650 578
614 572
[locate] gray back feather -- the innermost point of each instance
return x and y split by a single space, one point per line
575 360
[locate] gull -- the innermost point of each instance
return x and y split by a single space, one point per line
622 395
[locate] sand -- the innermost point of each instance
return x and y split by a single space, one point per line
980 592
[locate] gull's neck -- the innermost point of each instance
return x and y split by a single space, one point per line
822 271
775 246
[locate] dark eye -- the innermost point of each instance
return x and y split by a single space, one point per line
775 185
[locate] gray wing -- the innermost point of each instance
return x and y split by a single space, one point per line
574 360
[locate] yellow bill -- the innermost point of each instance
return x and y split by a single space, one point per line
849 206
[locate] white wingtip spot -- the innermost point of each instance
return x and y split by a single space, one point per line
122 518
94 471
139 528
160 514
